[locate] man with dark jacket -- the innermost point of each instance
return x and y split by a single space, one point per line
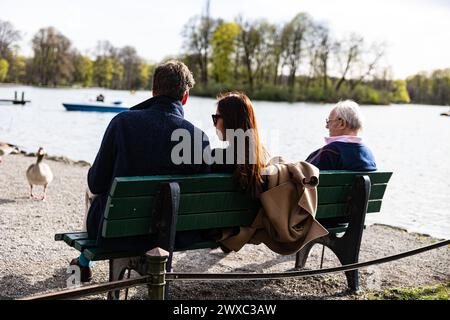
139 143
344 149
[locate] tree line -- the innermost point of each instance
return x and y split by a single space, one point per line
430 88
55 62
299 60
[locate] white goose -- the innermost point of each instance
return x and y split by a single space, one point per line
6 149
39 173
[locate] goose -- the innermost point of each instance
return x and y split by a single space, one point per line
6 149
39 173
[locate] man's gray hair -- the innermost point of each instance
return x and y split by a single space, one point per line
172 79
349 111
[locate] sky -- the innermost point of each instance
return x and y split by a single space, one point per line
417 32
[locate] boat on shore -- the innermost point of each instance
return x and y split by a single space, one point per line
96 106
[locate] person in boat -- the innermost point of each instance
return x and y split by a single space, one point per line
344 148
139 143
100 98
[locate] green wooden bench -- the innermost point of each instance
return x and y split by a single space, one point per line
159 206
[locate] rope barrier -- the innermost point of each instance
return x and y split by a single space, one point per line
174 276
296 274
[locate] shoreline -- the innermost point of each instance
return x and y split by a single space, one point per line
194 94
213 97
36 263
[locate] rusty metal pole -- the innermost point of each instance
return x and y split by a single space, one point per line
156 267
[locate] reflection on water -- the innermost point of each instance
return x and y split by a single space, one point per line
412 141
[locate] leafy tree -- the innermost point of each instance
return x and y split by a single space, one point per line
118 72
440 87
17 69
52 61
400 93
84 69
419 88
145 72
223 46
103 71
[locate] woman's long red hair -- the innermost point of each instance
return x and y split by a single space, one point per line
237 112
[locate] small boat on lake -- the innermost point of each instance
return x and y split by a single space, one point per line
446 114
97 106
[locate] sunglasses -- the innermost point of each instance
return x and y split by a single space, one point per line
215 118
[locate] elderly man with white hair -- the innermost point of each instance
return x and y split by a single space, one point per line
344 150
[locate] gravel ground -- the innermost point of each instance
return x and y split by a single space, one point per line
32 262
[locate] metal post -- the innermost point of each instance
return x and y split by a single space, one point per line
156 267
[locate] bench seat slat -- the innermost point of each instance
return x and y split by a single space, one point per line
337 210
140 207
337 178
70 238
141 186
60 236
332 195
141 226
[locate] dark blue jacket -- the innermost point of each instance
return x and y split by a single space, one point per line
343 156
138 143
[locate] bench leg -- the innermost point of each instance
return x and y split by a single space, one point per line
165 221
117 268
302 255
346 248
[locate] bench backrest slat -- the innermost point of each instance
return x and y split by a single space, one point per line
214 201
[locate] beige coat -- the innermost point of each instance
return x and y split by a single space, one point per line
286 222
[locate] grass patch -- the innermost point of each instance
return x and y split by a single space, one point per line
439 292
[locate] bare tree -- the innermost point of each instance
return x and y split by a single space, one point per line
295 35
197 33
249 41
348 53
8 36
370 60
323 51
130 60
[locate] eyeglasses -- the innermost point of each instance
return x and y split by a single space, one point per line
215 118
329 120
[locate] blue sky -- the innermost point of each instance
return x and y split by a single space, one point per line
416 31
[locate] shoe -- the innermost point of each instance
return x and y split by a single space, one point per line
86 272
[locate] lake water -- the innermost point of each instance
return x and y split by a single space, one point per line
411 140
